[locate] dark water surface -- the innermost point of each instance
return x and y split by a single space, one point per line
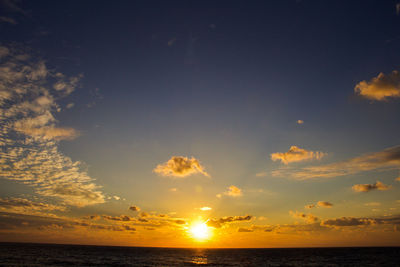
13 254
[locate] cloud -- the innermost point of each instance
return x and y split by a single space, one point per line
300 121
348 221
205 208
324 204
296 154
171 42
261 174
25 206
29 135
4 51
233 191
369 187
180 167
134 208
8 20
49 132
123 218
254 228
245 230
144 214
218 223
12 5
372 204
42 225
383 160
381 87
70 105
309 218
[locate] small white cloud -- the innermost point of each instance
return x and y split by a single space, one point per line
205 208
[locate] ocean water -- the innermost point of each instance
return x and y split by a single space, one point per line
14 254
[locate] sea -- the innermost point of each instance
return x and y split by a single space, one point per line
24 254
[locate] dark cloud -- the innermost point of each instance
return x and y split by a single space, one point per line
124 218
245 230
220 222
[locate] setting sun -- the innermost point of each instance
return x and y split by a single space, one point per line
200 231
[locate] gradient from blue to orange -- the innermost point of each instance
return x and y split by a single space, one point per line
224 83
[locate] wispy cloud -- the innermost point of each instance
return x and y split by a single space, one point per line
372 204
180 167
25 206
171 41
383 160
369 187
29 136
296 154
381 87
8 20
12 5
205 208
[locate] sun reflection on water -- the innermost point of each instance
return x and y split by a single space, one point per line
199 257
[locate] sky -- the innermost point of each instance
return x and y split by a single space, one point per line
200 123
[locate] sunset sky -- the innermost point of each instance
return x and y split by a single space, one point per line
200 123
